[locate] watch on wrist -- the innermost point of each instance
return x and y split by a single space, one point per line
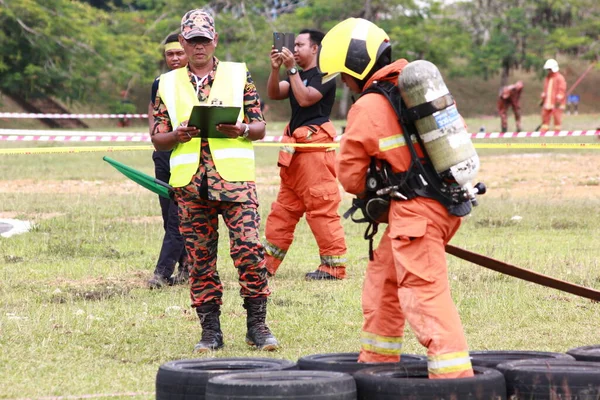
292 71
246 131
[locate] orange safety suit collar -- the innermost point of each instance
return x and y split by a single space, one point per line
388 73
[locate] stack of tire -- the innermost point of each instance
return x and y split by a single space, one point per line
499 375
222 378
187 379
407 379
535 375
517 375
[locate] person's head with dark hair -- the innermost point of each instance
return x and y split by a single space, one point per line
173 37
175 57
306 48
315 36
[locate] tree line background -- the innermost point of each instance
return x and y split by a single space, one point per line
87 52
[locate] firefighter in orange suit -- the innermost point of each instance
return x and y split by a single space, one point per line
308 182
407 278
509 97
554 99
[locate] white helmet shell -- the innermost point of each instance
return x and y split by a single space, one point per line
551 64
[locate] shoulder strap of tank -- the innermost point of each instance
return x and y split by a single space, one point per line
432 185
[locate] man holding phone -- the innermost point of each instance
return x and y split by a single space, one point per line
308 181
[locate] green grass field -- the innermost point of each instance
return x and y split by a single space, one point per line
76 317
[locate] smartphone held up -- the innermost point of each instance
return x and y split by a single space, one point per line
283 39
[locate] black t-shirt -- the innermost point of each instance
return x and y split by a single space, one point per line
159 156
154 90
319 112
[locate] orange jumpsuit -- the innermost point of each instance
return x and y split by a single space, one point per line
509 97
308 186
407 278
554 100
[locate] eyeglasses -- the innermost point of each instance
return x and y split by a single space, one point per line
203 41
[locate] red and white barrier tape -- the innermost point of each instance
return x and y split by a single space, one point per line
22 135
68 116
495 135
73 138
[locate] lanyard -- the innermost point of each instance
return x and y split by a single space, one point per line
199 82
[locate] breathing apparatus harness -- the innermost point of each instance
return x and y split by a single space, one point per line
420 179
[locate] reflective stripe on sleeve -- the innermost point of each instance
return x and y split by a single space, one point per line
392 142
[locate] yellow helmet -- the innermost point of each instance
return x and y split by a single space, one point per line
351 47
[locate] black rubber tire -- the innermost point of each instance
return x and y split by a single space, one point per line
187 379
347 362
586 353
289 385
412 382
490 359
552 379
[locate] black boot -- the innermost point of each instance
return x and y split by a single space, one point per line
183 276
258 333
212 337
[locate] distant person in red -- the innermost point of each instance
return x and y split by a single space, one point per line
554 98
509 97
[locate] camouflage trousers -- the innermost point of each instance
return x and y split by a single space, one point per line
199 222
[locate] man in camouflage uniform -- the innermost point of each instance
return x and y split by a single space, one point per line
213 176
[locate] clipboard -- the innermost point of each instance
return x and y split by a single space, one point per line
206 117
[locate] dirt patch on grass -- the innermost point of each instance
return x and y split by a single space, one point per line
34 217
140 220
545 175
95 288
70 186
552 175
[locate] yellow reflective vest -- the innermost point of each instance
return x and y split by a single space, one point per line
233 158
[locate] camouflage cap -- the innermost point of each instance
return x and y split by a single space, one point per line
197 23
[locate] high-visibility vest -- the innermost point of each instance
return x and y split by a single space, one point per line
233 158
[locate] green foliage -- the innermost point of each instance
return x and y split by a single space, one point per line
67 49
88 51
434 39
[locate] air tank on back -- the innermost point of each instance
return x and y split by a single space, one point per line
443 133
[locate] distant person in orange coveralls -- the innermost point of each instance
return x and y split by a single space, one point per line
509 97
407 279
308 181
554 99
